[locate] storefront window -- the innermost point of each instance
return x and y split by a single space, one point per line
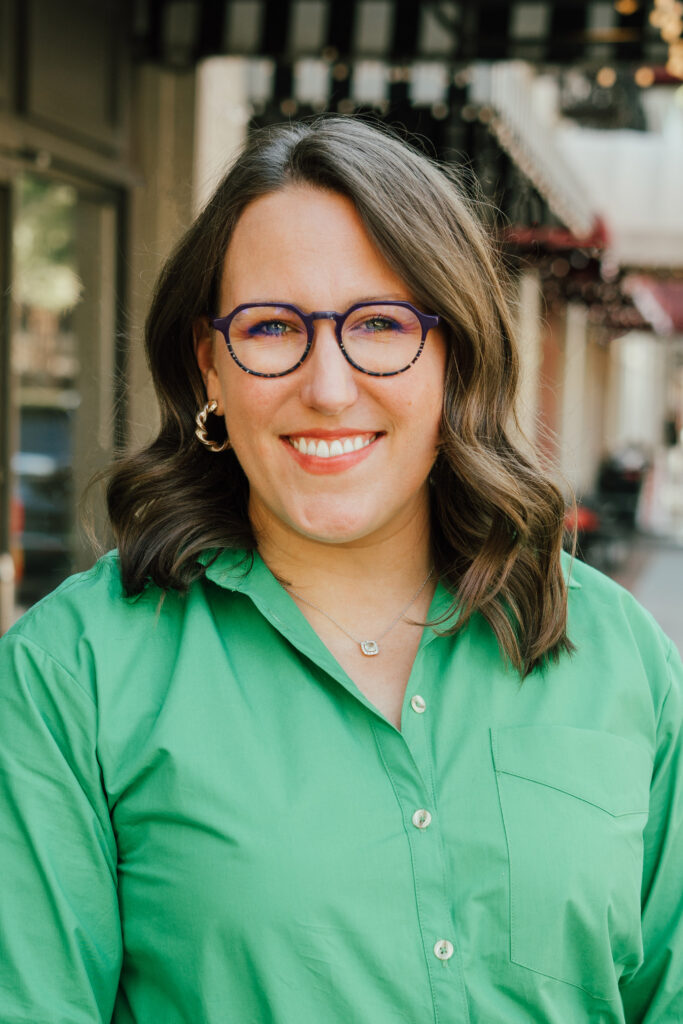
63 248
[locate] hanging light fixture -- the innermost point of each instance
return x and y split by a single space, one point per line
667 16
626 7
606 77
644 77
674 65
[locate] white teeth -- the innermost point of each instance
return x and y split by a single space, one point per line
324 450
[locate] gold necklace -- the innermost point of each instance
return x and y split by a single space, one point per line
368 647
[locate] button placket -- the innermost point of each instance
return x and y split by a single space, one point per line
412 778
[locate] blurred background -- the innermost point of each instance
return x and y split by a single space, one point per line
117 119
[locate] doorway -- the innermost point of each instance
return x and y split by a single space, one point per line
61 361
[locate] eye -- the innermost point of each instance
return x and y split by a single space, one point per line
381 323
270 329
378 323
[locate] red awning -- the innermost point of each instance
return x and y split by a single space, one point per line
558 238
658 300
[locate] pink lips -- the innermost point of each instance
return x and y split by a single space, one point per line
320 466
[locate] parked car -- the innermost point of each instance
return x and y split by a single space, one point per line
620 481
43 498
606 520
601 539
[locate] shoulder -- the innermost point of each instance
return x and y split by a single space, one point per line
85 599
612 631
598 602
88 621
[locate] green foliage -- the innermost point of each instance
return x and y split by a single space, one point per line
45 245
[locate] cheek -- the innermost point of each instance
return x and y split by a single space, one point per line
250 410
237 390
426 405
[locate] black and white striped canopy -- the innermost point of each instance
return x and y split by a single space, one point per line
547 32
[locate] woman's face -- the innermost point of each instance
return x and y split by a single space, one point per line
308 247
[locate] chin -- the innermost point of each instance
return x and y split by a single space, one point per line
332 533
334 529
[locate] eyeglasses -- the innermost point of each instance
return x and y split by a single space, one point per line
272 339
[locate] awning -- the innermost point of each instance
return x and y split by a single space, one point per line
181 32
658 300
556 239
505 92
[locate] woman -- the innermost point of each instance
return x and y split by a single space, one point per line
242 782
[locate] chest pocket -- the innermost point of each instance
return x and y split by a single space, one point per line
574 804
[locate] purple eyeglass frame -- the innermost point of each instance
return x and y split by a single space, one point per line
222 324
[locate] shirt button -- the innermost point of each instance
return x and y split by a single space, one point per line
443 949
422 818
417 703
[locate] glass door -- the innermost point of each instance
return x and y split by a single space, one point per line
9 510
62 365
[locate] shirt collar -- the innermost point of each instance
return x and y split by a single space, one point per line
230 568
245 572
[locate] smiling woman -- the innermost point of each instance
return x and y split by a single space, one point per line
303 209
279 734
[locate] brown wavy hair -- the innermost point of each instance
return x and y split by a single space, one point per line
496 520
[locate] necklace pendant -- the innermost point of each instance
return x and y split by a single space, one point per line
369 647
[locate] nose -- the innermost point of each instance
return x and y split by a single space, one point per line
328 381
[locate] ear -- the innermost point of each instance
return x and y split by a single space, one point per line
203 335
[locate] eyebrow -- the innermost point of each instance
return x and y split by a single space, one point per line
362 299
382 298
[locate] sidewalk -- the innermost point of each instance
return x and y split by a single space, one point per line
653 569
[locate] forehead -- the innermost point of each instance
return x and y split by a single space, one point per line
304 243
297 207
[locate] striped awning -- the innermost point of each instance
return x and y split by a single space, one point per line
590 32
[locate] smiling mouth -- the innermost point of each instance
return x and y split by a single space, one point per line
331 448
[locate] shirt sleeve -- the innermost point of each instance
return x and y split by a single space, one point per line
654 993
60 935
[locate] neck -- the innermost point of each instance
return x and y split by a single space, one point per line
397 559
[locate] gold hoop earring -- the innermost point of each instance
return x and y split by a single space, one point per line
201 433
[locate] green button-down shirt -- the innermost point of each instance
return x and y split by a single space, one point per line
203 820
